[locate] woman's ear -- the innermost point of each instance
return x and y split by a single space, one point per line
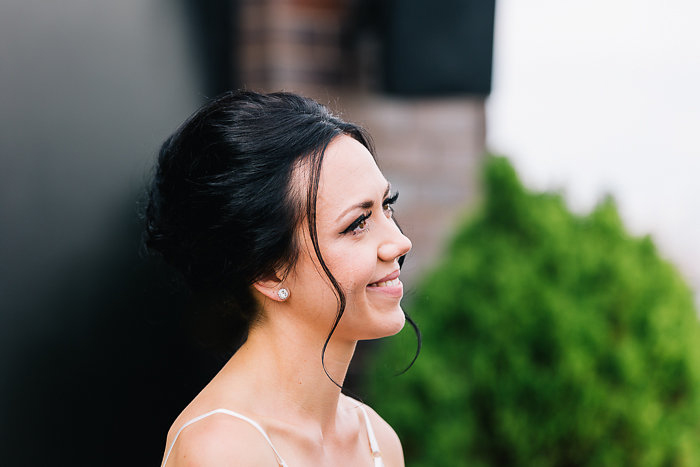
272 289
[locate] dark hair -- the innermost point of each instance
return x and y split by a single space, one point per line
222 206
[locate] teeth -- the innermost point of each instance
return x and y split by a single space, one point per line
391 283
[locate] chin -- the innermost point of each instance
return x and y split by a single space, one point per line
389 324
371 323
399 324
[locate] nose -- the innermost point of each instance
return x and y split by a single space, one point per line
395 244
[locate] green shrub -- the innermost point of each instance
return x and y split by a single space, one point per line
549 339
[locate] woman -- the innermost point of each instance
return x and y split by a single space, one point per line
275 212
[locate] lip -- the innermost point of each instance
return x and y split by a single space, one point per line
389 277
395 291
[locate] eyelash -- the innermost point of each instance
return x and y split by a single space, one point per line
389 202
360 221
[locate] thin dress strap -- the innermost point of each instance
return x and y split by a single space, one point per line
373 444
233 414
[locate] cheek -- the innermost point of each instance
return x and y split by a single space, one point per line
354 271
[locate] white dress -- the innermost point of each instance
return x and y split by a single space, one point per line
373 445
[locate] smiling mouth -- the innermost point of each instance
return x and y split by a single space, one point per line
391 283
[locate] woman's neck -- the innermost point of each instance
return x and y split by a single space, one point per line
280 366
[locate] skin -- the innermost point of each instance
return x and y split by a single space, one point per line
276 377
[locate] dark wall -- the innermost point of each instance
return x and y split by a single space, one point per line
441 47
94 361
212 29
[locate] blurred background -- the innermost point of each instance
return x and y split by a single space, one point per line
586 98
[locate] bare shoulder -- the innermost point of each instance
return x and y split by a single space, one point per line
219 439
389 443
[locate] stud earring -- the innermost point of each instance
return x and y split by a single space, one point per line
283 294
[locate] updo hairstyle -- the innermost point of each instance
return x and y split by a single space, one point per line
223 207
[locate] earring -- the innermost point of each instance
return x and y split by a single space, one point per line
283 294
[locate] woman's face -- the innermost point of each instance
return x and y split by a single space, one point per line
360 243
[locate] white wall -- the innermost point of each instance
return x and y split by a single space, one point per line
602 96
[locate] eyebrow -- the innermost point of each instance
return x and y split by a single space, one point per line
365 204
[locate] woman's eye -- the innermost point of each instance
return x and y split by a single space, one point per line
388 204
359 225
